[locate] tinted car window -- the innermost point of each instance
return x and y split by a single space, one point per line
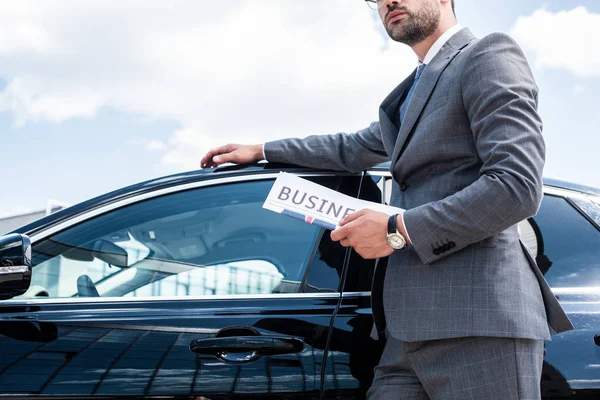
565 244
328 261
208 241
359 275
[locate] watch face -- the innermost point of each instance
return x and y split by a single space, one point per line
396 241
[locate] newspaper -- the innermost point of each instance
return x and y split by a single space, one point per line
316 204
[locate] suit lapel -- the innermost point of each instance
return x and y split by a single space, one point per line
425 87
389 110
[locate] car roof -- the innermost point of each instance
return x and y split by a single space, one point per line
207 174
157 184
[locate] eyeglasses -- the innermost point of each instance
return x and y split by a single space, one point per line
375 4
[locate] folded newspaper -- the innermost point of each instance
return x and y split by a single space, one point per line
316 204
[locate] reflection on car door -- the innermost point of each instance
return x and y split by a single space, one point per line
192 293
565 241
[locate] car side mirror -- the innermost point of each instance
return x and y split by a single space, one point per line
15 265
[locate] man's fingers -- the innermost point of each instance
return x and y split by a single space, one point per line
345 242
338 234
224 158
217 156
207 160
353 217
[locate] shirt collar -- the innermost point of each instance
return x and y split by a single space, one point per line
437 46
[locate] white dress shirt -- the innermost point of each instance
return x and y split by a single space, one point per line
437 46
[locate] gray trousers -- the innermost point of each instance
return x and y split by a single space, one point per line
463 368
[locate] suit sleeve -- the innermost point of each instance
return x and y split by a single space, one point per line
500 98
340 152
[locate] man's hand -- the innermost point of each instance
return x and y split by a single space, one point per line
366 231
233 153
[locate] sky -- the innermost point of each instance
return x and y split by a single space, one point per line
99 94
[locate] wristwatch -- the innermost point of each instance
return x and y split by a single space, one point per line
394 238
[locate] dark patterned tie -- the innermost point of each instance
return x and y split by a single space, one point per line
404 105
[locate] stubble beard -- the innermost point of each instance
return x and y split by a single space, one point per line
415 26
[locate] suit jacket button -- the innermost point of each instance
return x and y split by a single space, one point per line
403 186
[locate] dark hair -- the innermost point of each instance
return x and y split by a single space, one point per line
453 7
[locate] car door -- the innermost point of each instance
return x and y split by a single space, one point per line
190 291
564 237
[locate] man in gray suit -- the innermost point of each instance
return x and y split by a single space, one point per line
466 308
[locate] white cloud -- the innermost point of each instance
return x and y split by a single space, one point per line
24 98
185 147
248 71
155 145
562 40
578 89
15 211
22 37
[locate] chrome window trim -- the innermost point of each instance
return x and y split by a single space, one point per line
333 296
577 290
145 196
93 300
558 290
356 294
379 173
87 300
551 190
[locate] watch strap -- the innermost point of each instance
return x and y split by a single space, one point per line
392 224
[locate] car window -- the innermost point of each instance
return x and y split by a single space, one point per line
565 244
359 275
328 262
209 241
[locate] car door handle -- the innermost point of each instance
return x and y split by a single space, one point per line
246 348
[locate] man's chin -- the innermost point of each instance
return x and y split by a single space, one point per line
398 37
395 32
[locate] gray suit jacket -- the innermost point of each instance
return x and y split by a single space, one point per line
468 159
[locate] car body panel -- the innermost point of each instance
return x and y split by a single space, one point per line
141 346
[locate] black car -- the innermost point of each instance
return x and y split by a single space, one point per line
184 286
